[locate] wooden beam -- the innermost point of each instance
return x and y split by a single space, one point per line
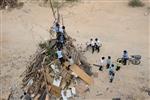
76 69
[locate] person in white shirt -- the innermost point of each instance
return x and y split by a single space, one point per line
108 62
102 63
56 27
71 62
92 44
97 45
62 30
60 55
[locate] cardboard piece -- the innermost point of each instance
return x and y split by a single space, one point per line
63 94
54 90
76 69
68 93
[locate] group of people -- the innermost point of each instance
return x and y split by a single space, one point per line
94 44
61 37
113 67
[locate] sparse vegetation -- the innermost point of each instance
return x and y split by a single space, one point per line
10 4
136 3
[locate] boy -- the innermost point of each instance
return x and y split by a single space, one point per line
60 55
111 73
92 44
125 57
102 63
108 62
97 45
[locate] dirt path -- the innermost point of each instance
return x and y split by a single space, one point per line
118 26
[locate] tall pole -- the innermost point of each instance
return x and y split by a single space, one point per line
52 9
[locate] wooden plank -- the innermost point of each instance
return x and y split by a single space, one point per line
54 90
76 69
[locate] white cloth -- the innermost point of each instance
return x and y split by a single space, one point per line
59 54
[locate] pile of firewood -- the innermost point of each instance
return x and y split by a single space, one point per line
44 68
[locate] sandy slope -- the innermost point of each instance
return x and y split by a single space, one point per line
118 26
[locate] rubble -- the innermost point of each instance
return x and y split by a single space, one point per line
46 78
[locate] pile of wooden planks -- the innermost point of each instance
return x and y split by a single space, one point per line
45 77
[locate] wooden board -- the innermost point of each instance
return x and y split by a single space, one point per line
76 69
54 90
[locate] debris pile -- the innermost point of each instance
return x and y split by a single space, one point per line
45 77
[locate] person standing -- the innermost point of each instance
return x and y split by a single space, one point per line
102 63
125 57
111 73
71 61
60 40
92 45
118 65
62 30
97 45
108 62
57 27
60 55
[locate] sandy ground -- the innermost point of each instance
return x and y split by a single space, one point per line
118 26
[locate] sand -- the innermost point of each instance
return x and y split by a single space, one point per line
118 26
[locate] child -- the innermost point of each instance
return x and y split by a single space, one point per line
97 45
118 65
92 44
108 62
60 55
102 63
111 73
125 57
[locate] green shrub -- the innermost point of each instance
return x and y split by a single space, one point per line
136 3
